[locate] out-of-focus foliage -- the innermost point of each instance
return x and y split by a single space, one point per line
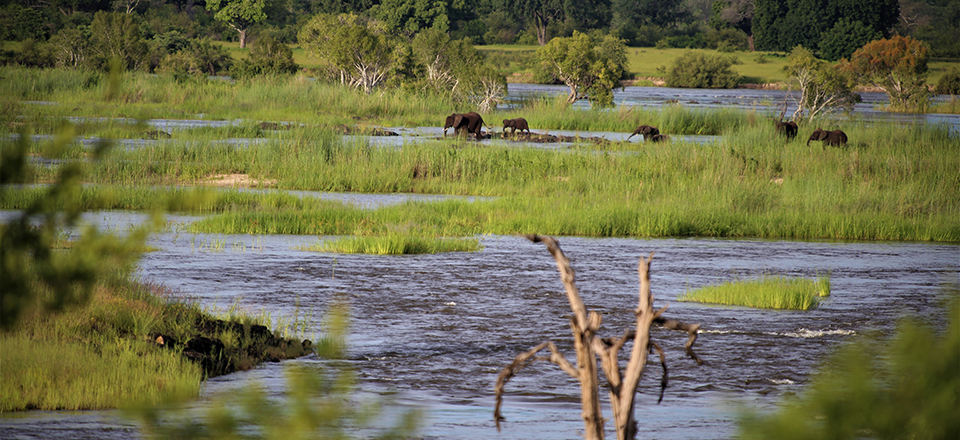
949 83
898 387
844 38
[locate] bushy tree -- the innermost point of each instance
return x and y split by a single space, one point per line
412 16
71 47
116 36
267 57
443 59
897 65
734 14
238 14
949 83
823 86
590 67
700 70
783 24
198 58
361 49
844 38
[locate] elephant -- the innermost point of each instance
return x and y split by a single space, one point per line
835 137
657 138
515 124
471 122
645 130
788 129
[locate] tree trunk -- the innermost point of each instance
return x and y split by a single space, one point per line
243 38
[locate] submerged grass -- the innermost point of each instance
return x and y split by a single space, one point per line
767 292
397 244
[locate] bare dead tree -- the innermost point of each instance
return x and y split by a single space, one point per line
621 384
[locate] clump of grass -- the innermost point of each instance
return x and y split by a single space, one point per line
397 244
767 292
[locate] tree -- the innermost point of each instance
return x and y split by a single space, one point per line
116 36
696 69
267 57
541 14
591 69
238 14
444 60
822 86
897 65
781 25
736 14
412 16
359 48
844 38
621 383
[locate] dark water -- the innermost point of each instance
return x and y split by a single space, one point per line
433 331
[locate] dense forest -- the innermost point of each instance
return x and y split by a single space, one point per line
832 28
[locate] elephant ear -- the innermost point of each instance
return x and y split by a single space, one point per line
456 121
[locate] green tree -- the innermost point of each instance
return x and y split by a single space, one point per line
590 68
950 82
412 16
116 36
822 85
696 69
359 48
735 14
443 59
783 24
897 65
902 387
238 14
267 57
844 38
541 14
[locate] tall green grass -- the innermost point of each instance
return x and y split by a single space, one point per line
397 244
767 292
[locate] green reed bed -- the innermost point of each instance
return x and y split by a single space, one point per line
397 244
767 292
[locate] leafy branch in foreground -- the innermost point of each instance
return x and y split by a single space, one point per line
621 384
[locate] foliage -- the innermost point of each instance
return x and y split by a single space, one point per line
590 67
700 70
444 60
950 82
268 57
412 16
780 25
823 87
29 263
483 87
844 38
197 58
238 14
71 47
898 66
900 386
116 36
359 48
768 292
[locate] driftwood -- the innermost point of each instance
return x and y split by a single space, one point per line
621 384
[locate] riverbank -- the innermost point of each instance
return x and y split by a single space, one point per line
131 344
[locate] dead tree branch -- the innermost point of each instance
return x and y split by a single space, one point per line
622 384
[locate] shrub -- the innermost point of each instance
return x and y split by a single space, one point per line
950 82
700 70
267 57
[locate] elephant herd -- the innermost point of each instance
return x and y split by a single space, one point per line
472 123
834 138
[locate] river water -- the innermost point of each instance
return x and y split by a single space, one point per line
433 331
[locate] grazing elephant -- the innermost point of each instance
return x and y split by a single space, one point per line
645 130
788 129
515 124
835 137
471 122
657 138
448 123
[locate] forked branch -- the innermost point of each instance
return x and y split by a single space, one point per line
524 360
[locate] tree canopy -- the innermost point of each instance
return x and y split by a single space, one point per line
897 65
590 68
238 14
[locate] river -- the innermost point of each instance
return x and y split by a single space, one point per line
433 331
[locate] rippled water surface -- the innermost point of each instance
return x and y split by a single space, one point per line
435 330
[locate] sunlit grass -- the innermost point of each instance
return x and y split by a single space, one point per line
767 292
397 244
